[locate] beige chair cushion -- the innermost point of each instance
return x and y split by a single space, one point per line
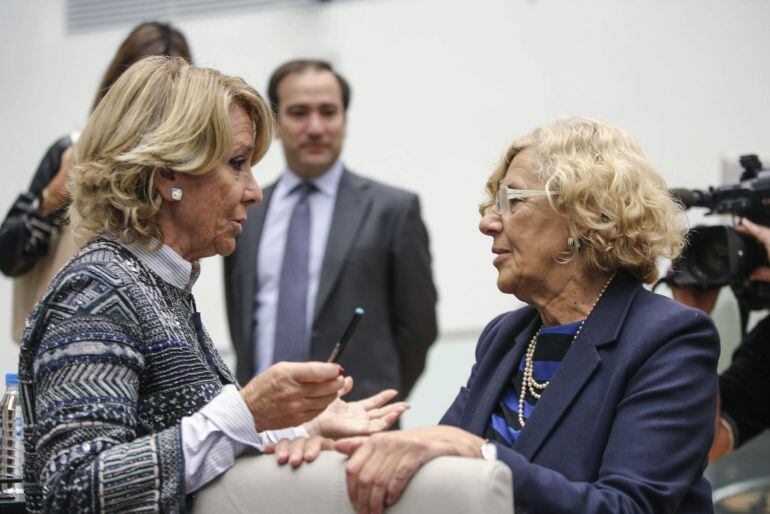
445 485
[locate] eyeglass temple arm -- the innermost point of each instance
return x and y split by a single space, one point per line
517 193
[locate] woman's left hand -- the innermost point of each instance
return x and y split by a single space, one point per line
381 466
299 450
364 417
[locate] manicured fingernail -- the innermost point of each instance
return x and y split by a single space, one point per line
342 370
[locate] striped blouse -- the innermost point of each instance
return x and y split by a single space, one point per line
552 345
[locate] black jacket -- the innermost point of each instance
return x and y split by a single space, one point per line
745 386
25 232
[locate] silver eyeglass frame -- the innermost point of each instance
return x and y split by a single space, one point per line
505 194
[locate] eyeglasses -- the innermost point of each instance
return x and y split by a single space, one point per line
505 194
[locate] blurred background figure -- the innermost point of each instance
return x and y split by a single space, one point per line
127 403
324 242
744 388
35 237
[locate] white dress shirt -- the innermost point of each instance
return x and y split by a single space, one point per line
218 433
273 244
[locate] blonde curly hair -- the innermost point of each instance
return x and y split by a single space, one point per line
611 199
162 113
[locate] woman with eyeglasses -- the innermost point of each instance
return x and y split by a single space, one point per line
599 395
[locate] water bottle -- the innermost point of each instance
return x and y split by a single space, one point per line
11 439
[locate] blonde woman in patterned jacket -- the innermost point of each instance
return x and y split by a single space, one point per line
128 405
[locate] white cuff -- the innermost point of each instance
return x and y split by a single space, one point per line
218 433
230 414
489 451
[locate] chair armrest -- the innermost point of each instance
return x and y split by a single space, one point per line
446 484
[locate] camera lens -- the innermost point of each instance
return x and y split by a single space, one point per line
713 261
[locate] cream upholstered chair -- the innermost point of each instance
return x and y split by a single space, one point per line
449 485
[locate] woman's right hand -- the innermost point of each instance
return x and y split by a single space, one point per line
288 394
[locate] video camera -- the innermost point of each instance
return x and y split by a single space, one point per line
719 255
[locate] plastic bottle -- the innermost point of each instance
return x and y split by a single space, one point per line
11 439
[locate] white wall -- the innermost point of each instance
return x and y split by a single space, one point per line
440 87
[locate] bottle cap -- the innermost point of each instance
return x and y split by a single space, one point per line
11 379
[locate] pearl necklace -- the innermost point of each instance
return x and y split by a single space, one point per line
528 382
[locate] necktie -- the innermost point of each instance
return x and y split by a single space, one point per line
291 338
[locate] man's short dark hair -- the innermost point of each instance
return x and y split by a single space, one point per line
298 66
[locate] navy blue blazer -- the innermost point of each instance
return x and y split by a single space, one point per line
627 420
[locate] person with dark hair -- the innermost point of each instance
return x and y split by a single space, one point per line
35 235
299 66
324 242
150 38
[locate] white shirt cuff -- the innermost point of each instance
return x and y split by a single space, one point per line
222 430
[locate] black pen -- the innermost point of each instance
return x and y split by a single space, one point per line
340 346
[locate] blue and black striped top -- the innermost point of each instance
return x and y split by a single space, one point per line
552 345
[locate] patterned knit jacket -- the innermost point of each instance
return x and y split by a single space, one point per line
110 363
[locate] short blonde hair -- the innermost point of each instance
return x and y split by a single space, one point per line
162 113
612 200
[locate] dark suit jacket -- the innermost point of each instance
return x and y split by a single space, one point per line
745 386
377 257
627 420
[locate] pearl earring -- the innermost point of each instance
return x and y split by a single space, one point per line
176 193
573 243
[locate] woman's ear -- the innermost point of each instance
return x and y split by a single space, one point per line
164 181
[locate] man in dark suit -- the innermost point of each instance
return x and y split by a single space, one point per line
325 241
